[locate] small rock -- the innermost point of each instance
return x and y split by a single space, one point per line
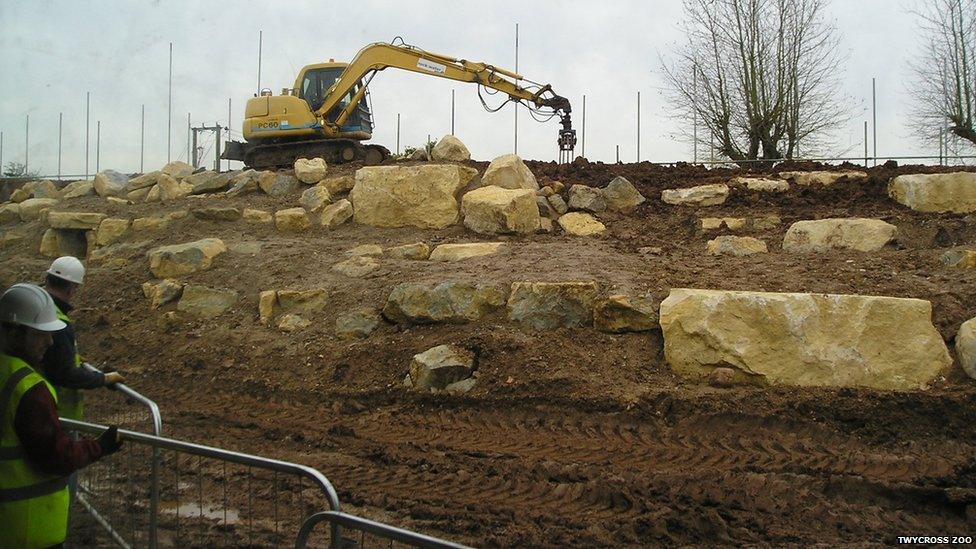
314 199
766 223
278 184
704 195
338 185
586 198
356 267
722 378
558 204
461 387
735 245
450 149
459 252
310 171
291 220
419 154
418 251
257 216
440 366
162 292
966 347
292 322
959 259
336 214
581 224
357 324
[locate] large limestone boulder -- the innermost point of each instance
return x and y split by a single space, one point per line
110 183
210 182
205 302
437 368
31 208
942 192
314 199
966 347
182 259
278 183
623 313
762 184
307 302
161 292
292 220
823 178
582 197
257 216
494 210
169 188
821 235
78 189
581 224
704 195
735 245
803 339
959 259
409 196
620 195
110 230
75 220
416 303
243 183
509 172
310 170
551 305
49 244
450 149
460 252
177 169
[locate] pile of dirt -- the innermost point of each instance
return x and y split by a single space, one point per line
570 436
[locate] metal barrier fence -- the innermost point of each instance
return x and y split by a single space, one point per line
365 527
133 475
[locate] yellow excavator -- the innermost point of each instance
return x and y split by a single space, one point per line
326 114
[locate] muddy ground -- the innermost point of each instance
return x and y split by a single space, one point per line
571 437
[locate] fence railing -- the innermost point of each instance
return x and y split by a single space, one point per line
101 485
207 505
364 526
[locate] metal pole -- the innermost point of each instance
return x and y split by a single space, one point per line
228 128
27 146
874 120
583 131
60 127
142 142
398 133
98 144
694 114
87 129
638 127
516 104
452 112
1 150
618 154
260 44
169 120
195 159
865 143
188 137
217 147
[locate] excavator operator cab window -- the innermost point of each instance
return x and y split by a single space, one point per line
316 84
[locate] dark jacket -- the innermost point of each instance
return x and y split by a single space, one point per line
59 360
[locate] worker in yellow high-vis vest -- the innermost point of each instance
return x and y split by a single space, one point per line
62 361
36 456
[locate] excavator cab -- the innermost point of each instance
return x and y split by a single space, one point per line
315 83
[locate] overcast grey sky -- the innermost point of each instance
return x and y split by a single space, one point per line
53 51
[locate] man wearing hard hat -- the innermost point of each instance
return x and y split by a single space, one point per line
63 366
36 456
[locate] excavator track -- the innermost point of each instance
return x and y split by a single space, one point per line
334 151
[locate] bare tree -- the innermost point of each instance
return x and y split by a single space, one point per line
943 86
760 75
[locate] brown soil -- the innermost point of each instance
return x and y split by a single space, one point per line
571 437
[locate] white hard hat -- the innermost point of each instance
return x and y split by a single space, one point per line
69 268
29 305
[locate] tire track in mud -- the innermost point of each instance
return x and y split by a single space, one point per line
694 444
